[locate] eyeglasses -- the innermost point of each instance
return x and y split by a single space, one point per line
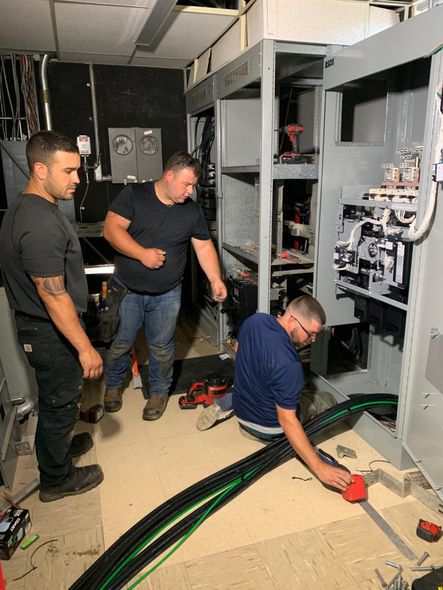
309 335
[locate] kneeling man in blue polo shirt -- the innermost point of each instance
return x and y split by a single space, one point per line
268 381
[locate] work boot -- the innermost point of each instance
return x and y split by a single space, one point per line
113 399
80 444
211 415
155 406
82 480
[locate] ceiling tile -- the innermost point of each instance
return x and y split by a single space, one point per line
100 29
187 35
25 25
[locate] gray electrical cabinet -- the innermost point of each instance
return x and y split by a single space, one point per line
265 208
18 396
135 153
380 237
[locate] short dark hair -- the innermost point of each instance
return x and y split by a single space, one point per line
181 160
308 308
42 146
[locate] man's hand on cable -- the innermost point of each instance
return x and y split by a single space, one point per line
91 362
327 474
333 476
153 258
219 291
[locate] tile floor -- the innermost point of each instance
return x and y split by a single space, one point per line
281 533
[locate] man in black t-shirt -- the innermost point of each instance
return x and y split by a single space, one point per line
45 283
150 225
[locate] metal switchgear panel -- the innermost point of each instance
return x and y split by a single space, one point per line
135 153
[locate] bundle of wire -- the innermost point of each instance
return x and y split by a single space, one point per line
170 523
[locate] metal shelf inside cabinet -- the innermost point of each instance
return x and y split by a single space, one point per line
291 257
345 286
240 170
294 171
241 252
251 254
279 171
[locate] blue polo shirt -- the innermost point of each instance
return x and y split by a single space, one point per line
268 371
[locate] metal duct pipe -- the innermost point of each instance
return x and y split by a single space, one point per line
97 166
46 99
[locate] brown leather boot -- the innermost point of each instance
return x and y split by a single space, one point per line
113 399
155 406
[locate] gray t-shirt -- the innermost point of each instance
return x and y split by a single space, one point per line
36 239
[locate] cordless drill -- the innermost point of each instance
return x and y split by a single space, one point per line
293 157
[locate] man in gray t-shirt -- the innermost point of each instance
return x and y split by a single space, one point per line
42 268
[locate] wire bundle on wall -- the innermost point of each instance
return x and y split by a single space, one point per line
170 523
18 97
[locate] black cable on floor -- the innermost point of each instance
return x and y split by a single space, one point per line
263 460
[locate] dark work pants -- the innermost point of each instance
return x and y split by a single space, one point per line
60 382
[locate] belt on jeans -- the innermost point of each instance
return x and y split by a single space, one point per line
34 318
262 435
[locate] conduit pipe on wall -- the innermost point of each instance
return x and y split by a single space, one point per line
98 175
46 99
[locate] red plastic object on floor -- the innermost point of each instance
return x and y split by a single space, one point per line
2 580
357 490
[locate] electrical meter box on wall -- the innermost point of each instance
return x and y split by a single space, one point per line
136 154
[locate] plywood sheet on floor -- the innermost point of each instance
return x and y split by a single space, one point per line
304 560
171 578
239 568
361 545
58 563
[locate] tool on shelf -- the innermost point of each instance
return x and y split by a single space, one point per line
293 132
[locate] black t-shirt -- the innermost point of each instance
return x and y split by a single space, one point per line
36 239
155 225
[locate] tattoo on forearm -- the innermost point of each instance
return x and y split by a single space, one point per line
52 285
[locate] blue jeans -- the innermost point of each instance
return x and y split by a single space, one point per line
225 402
158 315
60 383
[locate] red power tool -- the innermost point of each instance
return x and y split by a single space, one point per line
294 157
204 392
428 531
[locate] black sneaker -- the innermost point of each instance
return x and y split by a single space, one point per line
80 444
82 480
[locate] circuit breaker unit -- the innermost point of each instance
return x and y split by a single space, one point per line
372 250
135 153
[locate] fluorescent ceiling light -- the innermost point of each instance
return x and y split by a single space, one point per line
156 19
